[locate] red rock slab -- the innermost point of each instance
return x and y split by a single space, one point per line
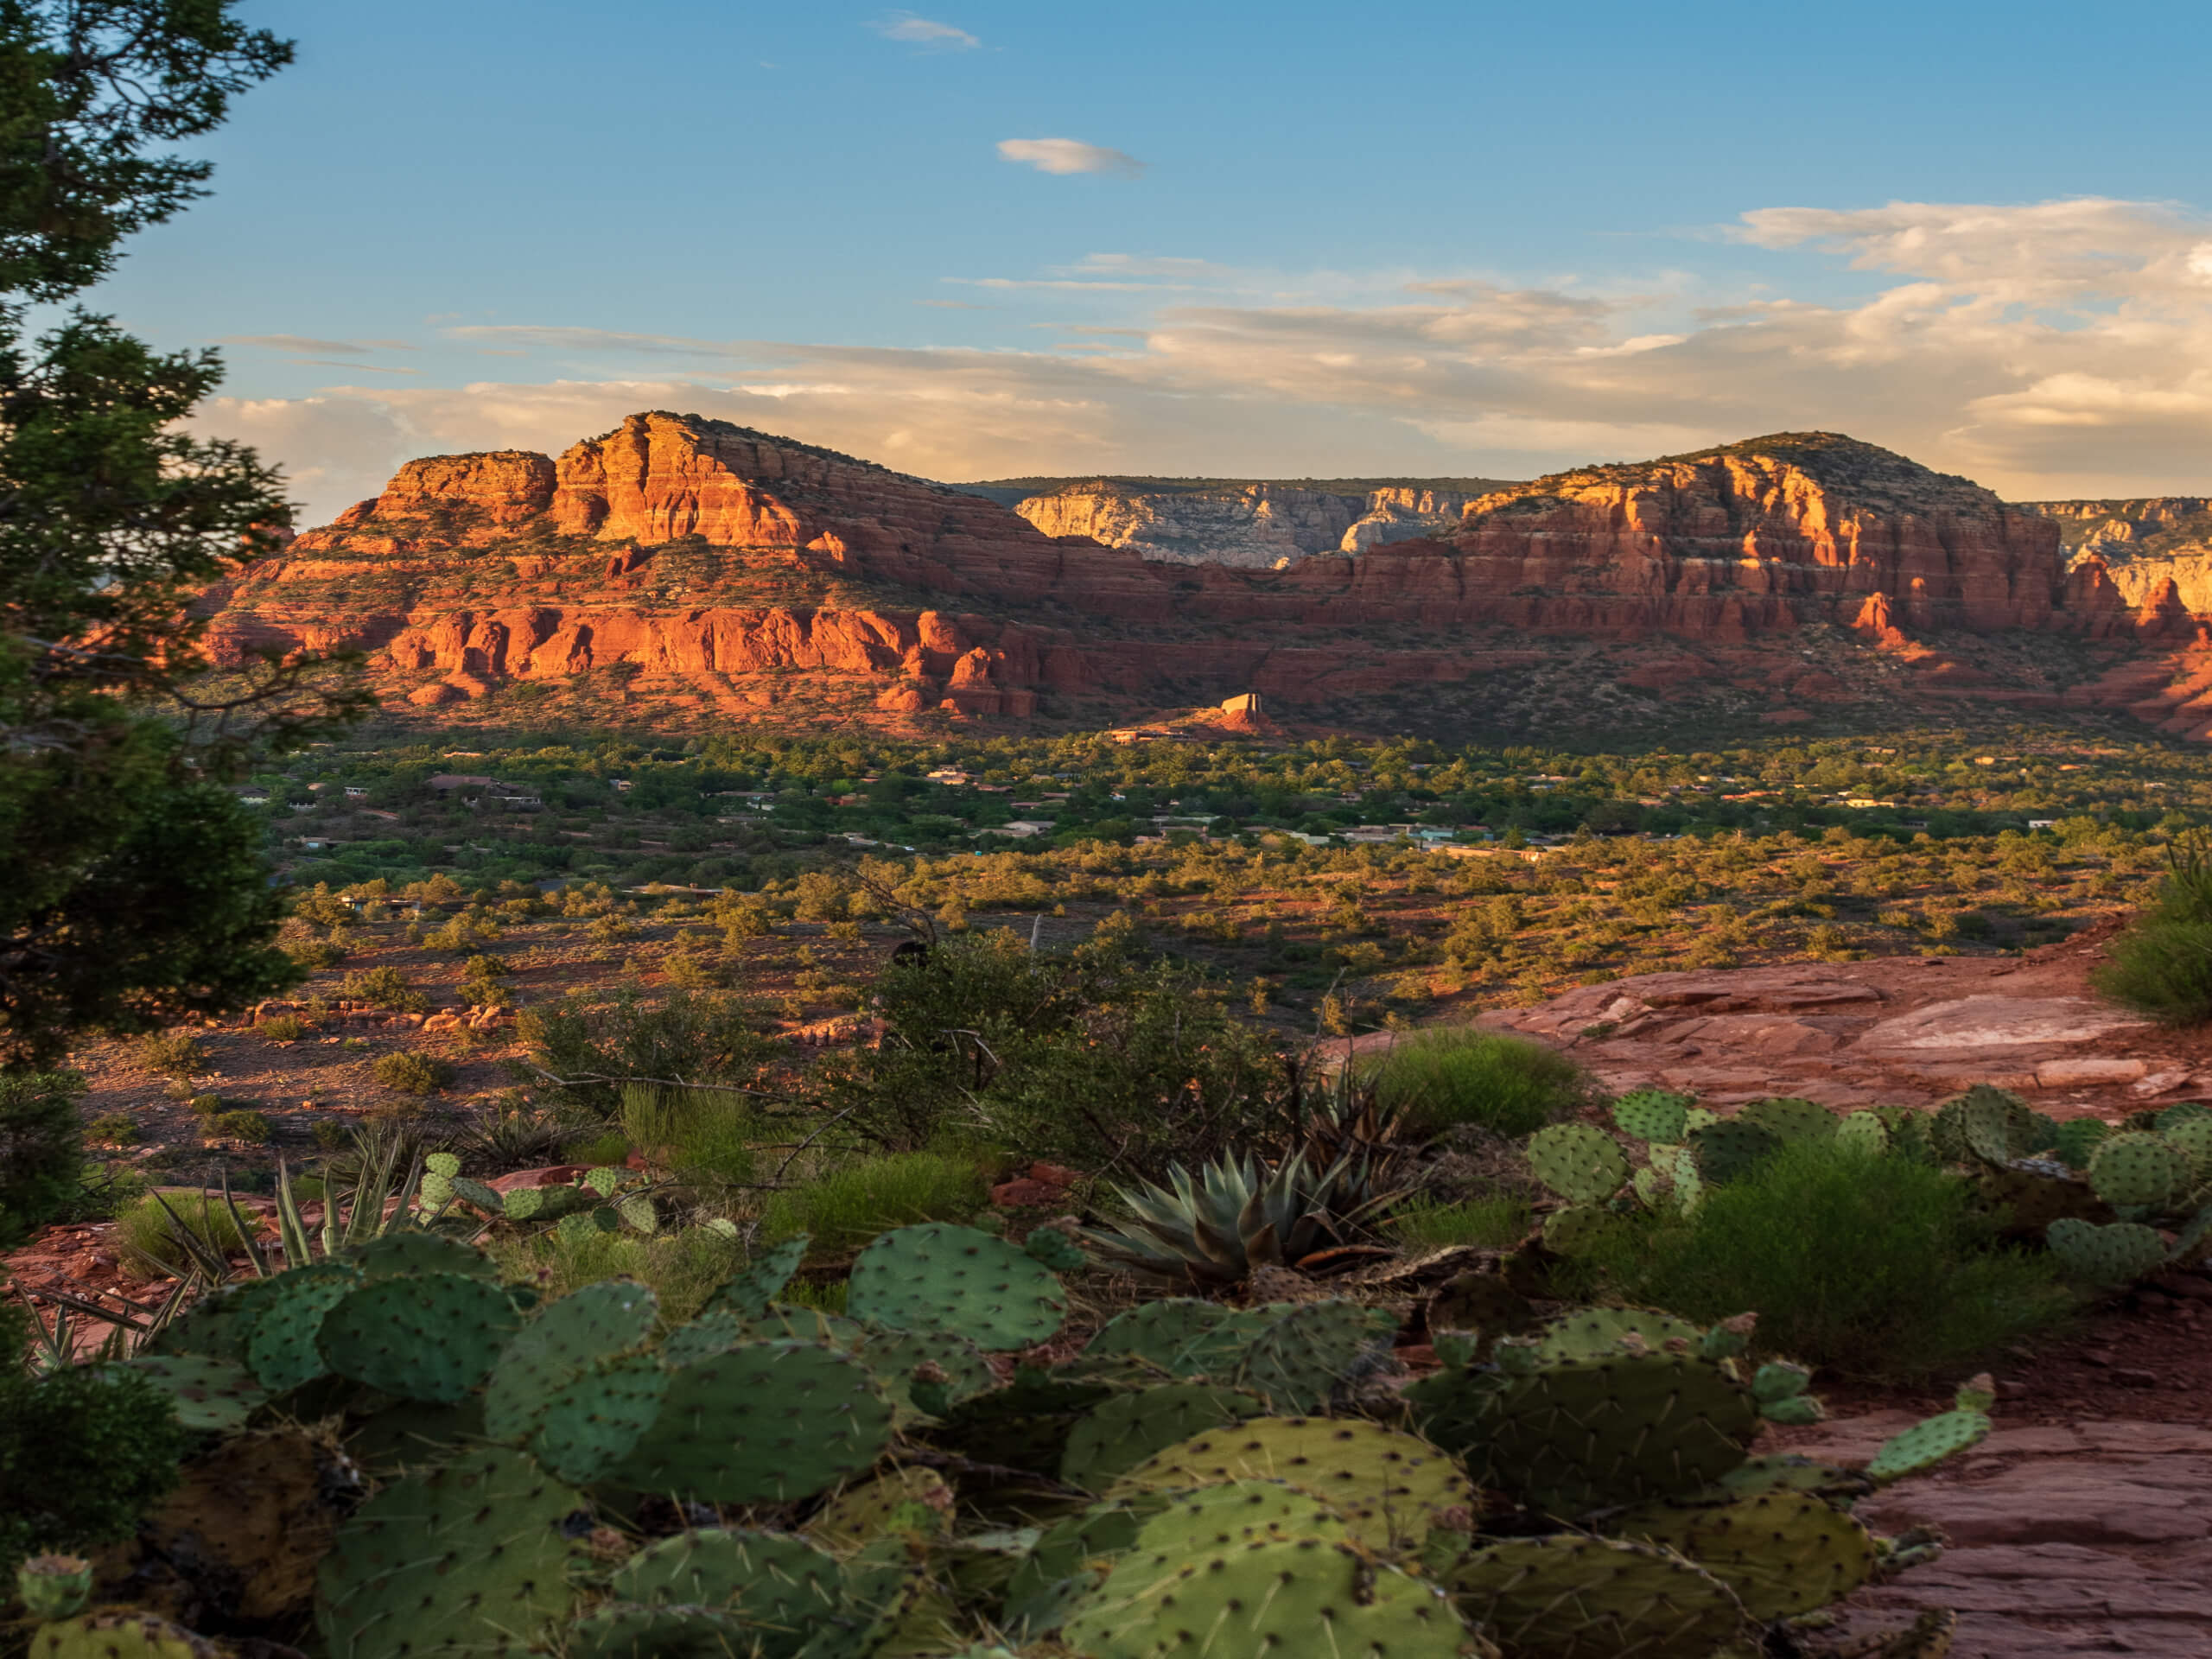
1994 1024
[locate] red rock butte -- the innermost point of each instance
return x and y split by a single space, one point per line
707 561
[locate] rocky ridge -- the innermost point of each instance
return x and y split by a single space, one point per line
2156 551
707 566
1258 526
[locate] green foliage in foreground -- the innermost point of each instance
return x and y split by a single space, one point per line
82 1452
1226 1452
1863 1264
2161 966
1443 1076
40 1157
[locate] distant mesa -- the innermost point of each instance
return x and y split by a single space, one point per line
682 567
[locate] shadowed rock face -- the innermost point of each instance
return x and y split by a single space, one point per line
484 569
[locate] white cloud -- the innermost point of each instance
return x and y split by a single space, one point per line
1068 155
924 32
2050 350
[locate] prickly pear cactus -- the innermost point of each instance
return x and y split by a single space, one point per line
1305 1596
940 1277
1576 1597
748 1294
1927 1443
2143 1170
622 1630
1654 1115
119 1634
1387 1485
773 1587
1182 1336
2078 1141
945 1368
467 1559
1863 1131
281 1348
764 1422
404 1252
1996 1126
2107 1257
561 1340
1789 1119
1782 1553
1131 1427
207 1393
592 1420
1728 1150
1300 1360
434 1335
54 1586
1593 1333
1584 1229
1581 1164
2192 1137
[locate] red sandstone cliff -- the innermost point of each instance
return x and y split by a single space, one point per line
649 549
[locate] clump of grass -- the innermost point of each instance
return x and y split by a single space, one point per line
704 1137
848 1206
822 1299
405 1072
1492 1223
610 1148
2161 966
281 1028
1444 1076
242 1125
1862 1264
147 1231
179 1057
684 1268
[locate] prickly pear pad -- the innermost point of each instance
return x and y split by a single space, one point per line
119 1636
894 1357
1181 1335
467 1559
1590 1332
1581 1164
593 1419
560 1341
1651 1114
433 1336
1782 1553
1790 1118
209 1394
1309 1596
1582 1434
1725 1151
780 1587
2105 1257
2139 1169
217 1325
940 1277
1299 1360
403 1253
1387 1485
767 1421
281 1348
748 1294
1130 1428
621 1630
1926 1444
1574 1597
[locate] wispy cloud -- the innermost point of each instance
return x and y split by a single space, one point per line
1070 155
2048 350
926 32
297 343
362 368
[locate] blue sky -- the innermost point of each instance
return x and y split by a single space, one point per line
1285 239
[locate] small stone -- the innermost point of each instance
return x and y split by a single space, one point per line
2098 1357
2135 1379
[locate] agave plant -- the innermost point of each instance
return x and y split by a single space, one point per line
1236 1214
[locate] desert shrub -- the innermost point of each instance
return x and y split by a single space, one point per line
313 954
83 1451
180 1056
703 1137
592 1049
849 1205
683 1266
383 987
282 1028
1858 1263
147 1229
482 982
113 1129
405 1072
1443 1076
1086 1056
1493 1223
242 1125
41 1149
515 1136
2161 966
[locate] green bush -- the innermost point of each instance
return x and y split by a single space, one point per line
242 1125
597 1047
84 1452
1860 1263
41 1149
1444 1076
703 1137
405 1072
848 1206
181 1057
147 1232
282 1028
1493 1223
683 1266
2161 966
383 987
113 1129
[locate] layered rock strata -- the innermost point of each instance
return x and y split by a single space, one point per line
1253 526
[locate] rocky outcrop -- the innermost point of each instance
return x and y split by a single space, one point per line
1258 526
698 557
2156 552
